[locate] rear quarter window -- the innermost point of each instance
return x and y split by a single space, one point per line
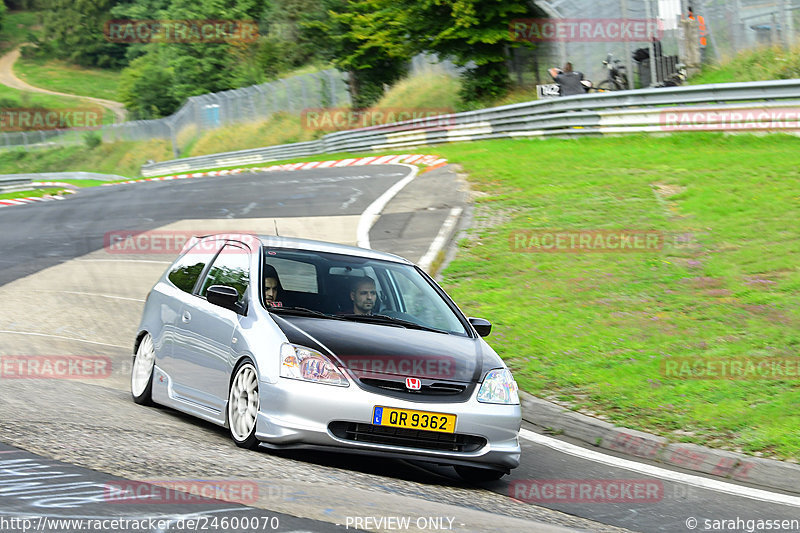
188 267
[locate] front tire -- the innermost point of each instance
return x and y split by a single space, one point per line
142 372
243 404
474 474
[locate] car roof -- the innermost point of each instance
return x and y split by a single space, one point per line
295 243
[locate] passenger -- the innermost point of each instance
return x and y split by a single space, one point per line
364 296
272 287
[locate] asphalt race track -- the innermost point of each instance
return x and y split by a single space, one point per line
63 442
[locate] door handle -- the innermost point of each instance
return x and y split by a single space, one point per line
186 318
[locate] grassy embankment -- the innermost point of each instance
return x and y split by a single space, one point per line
64 77
593 330
771 63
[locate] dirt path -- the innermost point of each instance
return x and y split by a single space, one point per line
9 79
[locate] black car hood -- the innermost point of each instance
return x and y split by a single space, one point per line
377 350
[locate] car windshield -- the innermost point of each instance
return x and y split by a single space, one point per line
325 285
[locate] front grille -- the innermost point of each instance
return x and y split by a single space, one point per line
431 389
409 438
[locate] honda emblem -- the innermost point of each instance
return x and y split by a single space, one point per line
413 383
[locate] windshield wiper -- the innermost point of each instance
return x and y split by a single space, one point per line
389 320
301 311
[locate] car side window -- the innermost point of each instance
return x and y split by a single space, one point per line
185 271
231 268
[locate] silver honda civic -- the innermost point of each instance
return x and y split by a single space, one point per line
293 343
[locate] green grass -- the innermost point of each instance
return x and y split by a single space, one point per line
84 183
121 158
15 98
35 193
434 91
17 26
772 63
63 77
591 330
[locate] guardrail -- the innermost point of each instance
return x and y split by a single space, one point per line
14 183
753 106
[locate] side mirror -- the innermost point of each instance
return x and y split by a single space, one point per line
224 296
481 325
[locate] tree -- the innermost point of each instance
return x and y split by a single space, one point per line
75 32
190 68
363 38
474 33
146 88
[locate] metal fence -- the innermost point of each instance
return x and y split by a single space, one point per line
728 27
324 89
730 107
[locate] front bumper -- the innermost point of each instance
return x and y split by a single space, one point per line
296 413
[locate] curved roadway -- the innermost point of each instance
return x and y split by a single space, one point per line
65 294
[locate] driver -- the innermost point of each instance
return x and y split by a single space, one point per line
272 286
364 296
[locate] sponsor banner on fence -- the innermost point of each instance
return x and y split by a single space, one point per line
599 30
180 31
35 119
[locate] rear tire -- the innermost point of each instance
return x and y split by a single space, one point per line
602 87
243 405
142 372
474 474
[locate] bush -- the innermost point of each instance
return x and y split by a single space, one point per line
6 102
92 139
29 52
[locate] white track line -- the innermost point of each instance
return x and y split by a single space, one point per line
370 214
96 294
61 337
655 471
441 239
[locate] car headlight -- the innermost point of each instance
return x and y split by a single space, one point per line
499 387
299 362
